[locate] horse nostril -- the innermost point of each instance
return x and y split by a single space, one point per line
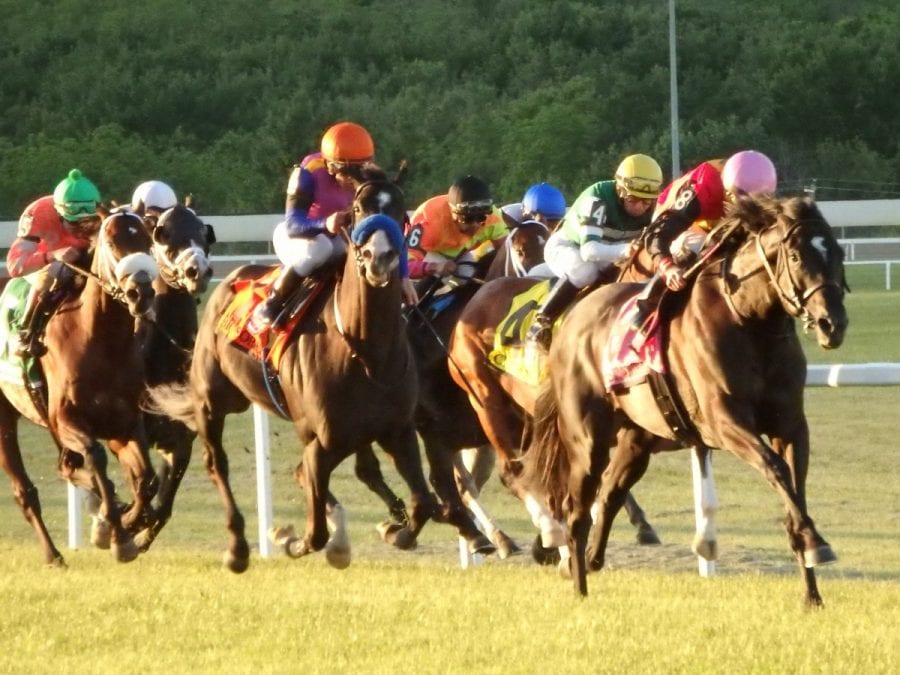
191 272
132 295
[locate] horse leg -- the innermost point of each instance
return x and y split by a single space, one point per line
629 462
368 471
472 468
784 473
440 459
317 464
646 535
403 447
705 506
211 428
176 452
24 491
809 551
136 467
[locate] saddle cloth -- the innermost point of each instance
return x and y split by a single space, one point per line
13 301
510 353
234 322
629 357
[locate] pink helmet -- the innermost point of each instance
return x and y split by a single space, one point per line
749 171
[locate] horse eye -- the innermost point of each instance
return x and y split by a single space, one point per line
367 254
794 257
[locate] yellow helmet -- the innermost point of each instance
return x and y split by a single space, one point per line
639 176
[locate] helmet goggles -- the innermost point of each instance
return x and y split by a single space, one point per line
472 212
639 187
77 210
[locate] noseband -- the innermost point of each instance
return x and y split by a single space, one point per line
112 271
174 271
794 298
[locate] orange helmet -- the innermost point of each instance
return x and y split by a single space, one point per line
347 142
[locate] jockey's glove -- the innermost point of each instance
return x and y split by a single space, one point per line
672 274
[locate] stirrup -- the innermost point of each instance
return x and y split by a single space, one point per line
29 345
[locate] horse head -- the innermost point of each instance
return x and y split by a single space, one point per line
525 246
803 261
378 194
377 242
122 261
181 248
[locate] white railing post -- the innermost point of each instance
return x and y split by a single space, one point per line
263 479
76 525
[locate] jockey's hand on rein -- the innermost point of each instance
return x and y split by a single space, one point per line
69 254
672 274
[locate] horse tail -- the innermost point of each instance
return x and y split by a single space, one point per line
545 464
171 400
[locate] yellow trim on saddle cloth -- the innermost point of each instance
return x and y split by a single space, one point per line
510 353
233 322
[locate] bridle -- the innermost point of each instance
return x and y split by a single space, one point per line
173 271
793 298
513 265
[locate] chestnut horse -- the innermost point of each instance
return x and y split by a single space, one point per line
735 365
345 386
93 382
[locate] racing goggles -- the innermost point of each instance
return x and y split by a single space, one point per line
472 212
77 210
640 187
344 167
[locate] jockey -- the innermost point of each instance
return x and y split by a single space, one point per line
596 231
53 230
688 209
542 202
461 226
319 192
155 196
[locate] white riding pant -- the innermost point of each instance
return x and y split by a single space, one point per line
305 254
580 264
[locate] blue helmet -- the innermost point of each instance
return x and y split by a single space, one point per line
545 199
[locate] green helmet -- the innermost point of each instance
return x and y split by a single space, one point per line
76 197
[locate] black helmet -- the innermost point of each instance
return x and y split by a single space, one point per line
470 196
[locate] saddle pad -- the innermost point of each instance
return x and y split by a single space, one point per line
12 308
629 357
234 321
510 353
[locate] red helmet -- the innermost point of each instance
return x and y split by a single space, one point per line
347 142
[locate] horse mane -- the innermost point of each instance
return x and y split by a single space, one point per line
757 212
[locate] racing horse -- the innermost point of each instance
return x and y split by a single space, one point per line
92 373
444 418
736 369
347 384
181 244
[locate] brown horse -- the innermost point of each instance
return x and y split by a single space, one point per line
444 418
503 403
348 384
93 381
735 365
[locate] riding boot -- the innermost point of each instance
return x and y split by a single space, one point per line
560 296
37 314
647 303
268 313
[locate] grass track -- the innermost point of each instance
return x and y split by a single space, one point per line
176 609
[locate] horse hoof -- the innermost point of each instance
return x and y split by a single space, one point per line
281 536
338 556
143 539
296 547
506 547
101 534
820 555
543 555
125 551
481 545
564 569
235 563
708 550
397 535
646 536
57 563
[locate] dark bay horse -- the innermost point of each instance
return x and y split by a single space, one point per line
444 419
93 382
349 384
736 364
181 242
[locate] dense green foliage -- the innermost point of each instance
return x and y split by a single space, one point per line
219 98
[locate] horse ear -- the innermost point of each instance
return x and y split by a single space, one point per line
102 211
139 208
160 236
210 234
189 200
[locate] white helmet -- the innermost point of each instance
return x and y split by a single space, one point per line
154 194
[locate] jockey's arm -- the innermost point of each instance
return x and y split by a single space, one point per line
672 222
299 199
26 256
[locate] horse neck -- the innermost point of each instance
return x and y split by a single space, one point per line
100 311
369 317
748 289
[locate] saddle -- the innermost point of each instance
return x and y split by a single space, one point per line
303 309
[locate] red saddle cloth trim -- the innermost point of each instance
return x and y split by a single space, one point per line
629 356
234 321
